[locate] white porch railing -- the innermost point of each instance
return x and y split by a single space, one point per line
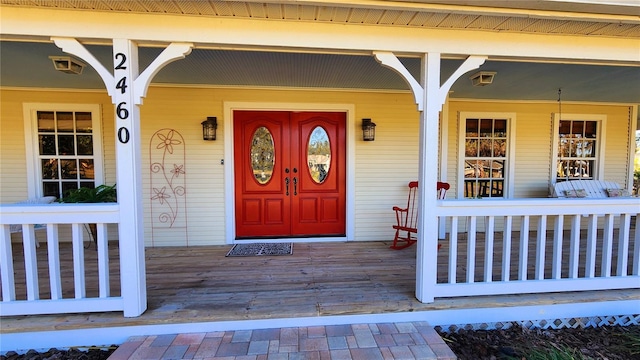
54 215
577 244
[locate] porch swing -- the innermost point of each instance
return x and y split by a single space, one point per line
407 218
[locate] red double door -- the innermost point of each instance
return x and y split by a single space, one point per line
290 173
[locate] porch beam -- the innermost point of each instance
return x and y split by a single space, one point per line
150 30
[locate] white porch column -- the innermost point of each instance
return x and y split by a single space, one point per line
430 97
127 89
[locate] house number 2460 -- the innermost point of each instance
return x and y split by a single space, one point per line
121 109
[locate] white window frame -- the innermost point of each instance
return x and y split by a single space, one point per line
600 146
34 172
508 185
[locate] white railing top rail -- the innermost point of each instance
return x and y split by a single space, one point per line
59 213
502 207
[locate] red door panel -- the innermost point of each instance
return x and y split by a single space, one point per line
290 202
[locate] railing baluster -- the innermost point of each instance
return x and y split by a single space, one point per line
623 244
636 249
574 250
78 261
558 236
55 279
30 261
103 260
6 266
607 245
590 261
506 248
541 247
488 249
524 248
453 250
471 250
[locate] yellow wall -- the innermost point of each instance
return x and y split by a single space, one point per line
382 168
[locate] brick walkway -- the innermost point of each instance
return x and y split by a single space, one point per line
413 340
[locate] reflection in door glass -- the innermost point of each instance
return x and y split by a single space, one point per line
262 155
319 155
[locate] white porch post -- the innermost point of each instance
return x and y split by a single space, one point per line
429 97
127 89
427 253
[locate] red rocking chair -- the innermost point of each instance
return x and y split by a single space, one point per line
407 218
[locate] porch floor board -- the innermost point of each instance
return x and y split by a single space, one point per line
200 284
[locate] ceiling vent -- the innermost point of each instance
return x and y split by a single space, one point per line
67 64
482 78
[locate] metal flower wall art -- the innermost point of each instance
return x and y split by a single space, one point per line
168 203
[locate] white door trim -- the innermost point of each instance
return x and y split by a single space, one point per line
229 171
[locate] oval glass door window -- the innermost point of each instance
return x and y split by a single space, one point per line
319 155
262 155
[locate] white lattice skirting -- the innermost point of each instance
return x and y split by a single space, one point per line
567 323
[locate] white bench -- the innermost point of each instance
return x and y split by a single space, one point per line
587 189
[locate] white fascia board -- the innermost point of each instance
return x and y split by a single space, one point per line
149 29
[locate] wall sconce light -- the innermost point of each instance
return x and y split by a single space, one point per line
209 128
368 130
482 78
67 64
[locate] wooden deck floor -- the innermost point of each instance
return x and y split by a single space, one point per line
200 284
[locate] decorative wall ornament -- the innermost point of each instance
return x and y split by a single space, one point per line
168 183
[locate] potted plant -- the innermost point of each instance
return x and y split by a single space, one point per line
100 194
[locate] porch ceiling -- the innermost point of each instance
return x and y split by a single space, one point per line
27 64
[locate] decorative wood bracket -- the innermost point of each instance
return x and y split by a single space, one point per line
389 60
173 52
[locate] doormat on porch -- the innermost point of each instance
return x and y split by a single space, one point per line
261 249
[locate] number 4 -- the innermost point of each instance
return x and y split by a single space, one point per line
122 85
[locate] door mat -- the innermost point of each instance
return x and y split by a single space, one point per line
261 249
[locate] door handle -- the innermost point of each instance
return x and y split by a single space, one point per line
286 182
295 186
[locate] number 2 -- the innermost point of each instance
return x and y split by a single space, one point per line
122 61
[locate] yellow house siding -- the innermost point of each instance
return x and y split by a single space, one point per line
381 169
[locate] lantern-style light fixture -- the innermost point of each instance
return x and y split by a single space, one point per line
209 128
368 130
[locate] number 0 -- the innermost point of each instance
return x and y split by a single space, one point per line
123 135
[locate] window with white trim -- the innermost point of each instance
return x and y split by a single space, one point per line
65 148
577 147
485 153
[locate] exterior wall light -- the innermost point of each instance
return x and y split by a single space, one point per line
67 64
368 130
209 128
482 78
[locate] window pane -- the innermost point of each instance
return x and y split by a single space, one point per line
86 169
85 145
262 155
565 128
577 128
590 130
472 128
500 128
564 147
319 155
471 148
486 127
66 145
485 148
51 189
500 148
497 169
49 168
47 144
68 169
83 122
45 121
65 121
67 186
87 184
